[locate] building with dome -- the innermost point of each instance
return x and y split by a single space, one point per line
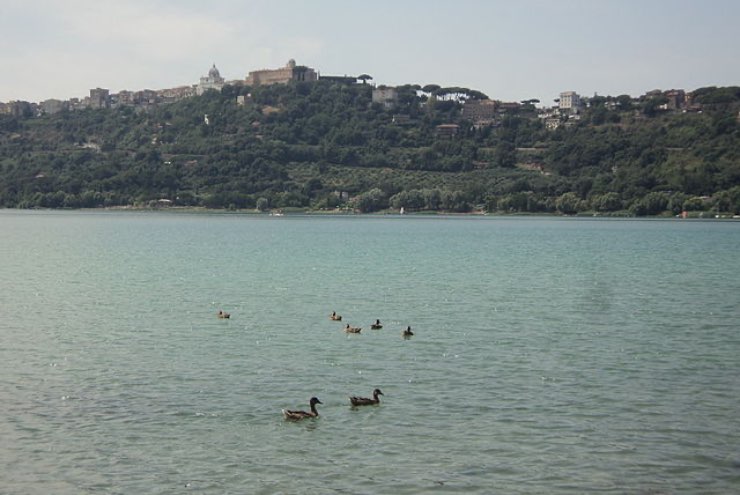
212 81
291 72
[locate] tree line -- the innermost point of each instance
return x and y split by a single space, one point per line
326 145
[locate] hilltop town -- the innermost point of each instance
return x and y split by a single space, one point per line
478 108
148 98
291 137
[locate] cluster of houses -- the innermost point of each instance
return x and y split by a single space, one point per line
103 98
566 112
481 112
570 105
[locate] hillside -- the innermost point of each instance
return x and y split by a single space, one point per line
323 145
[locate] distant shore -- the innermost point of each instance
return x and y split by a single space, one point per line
698 215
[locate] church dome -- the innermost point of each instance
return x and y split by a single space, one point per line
213 73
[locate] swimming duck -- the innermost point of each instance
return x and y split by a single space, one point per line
298 415
407 333
335 317
222 314
365 401
377 325
350 329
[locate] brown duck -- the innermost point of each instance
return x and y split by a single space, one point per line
350 329
366 401
298 415
335 317
376 326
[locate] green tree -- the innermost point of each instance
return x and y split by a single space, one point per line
607 202
650 204
432 199
568 203
431 88
372 200
624 102
263 204
694 204
504 155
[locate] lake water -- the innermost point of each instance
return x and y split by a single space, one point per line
550 355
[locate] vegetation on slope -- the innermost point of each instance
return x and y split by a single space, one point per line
324 145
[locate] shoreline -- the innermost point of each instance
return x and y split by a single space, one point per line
385 213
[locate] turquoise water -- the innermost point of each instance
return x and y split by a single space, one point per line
551 355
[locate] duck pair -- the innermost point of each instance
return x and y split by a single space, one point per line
335 317
406 333
351 329
297 415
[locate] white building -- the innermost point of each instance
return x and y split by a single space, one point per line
212 81
385 96
570 101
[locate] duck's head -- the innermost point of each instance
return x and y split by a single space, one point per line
315 400
377 392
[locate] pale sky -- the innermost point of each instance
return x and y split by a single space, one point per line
509 49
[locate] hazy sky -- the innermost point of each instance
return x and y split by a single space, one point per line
510 50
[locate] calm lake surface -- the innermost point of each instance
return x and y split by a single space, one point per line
550 355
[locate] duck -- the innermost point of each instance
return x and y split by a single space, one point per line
365 401
349 329
222 314
335 317
377 325
298 415
407 333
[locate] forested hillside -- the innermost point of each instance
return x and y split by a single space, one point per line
323 145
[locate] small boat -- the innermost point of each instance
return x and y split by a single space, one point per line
298 415
407 333
350 329
377 325
366 401
223 315
335 317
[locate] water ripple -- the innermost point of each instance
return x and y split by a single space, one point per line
549 356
